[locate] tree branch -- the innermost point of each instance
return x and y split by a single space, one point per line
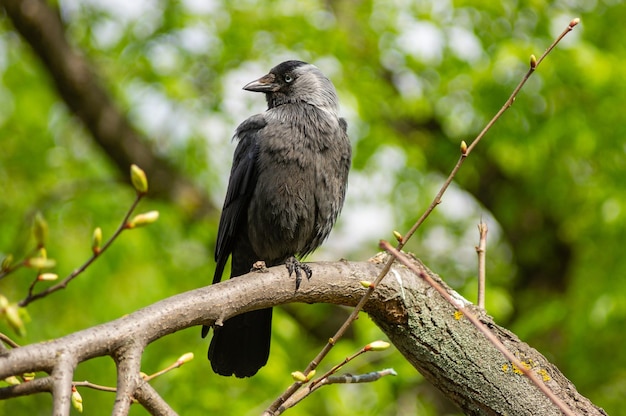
128 360
152 401
38 385
450 353
62 382
460 306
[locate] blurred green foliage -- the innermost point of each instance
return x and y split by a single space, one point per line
414 79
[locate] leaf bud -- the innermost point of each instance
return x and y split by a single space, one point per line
12 381
40 229
49 277
96 240
298 376
7 262
14 319
377 346
138 178
463 147
185 358
77 400
40 263
143 219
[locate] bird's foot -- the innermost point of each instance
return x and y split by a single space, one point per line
294 266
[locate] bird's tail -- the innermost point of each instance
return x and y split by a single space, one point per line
242 345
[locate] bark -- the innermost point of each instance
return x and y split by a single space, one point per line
448 351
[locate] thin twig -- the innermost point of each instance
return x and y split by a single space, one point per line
361 378
95 254
465 151
336 368
179 362
94 386
16 266
327 378
182 360
481 251
4 338
342 379
480 326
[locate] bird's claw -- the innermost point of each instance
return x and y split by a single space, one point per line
294 266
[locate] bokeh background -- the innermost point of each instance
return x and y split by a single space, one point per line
414 79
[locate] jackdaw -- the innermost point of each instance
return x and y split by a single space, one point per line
287 186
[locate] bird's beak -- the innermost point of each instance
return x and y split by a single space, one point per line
264 84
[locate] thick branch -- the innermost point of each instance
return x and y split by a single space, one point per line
38 385
128 360
447 351
62 382
40 25
152 401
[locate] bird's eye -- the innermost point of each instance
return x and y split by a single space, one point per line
288 78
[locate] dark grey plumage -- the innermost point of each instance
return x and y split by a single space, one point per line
287 186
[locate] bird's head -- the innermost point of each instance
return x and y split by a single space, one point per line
296 82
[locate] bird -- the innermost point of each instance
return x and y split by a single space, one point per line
286 189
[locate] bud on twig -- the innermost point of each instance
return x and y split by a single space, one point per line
48 277
77 400
4 302
138 178
40 263
14 319
12 381
96 240
143 219
463 148
398 236
40 230
185 358
6 263
298 376
377 346
533 62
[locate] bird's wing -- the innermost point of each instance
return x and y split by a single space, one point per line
243 176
